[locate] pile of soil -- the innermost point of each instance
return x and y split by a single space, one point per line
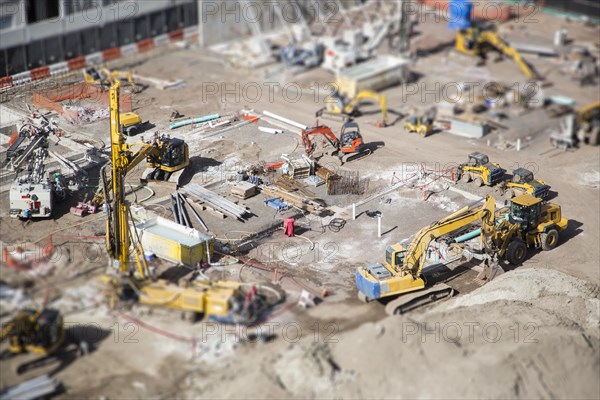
531 333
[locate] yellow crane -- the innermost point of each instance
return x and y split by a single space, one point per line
223 300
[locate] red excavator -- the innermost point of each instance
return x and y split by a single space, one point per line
348 148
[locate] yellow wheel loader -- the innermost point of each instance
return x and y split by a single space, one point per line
480 170
523 182
531 223
421 124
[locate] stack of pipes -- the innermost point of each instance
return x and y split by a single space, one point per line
180 213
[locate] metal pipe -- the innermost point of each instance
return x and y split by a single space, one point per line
184 212
195 213
190 121
467 236
208 253
174 208
182 220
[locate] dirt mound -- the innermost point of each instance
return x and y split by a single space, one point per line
532 333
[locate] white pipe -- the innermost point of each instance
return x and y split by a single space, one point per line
519 144
379 226
286 120
353 211
208 254
270 130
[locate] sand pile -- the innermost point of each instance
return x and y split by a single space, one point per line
531 333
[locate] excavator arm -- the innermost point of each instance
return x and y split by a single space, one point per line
414 258
319 130
368 95
494 40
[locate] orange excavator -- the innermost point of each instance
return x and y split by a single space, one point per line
349 147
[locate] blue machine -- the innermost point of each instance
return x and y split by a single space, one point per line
460 14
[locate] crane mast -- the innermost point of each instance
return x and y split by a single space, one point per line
117 234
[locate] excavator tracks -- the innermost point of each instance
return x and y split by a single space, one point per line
410 302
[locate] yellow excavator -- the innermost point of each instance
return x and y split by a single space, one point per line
478 41
105 77
166 159
130 280
338 105
34 331
529 223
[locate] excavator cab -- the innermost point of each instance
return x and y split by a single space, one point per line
174 153
394 256
350 138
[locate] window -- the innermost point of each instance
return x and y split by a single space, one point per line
41 10
172 19
158 23
108 36
190 14
89 40
73 6
126 32
3 71
35 55
15 60
72 45
142 30
53 50
5 21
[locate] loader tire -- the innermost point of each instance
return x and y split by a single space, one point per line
516 252
466 177
549 240
478 181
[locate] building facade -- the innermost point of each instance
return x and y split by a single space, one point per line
39 33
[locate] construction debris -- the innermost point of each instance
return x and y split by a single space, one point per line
35 388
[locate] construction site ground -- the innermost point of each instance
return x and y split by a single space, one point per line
524 334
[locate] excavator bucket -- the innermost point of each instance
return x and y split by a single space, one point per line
491 270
